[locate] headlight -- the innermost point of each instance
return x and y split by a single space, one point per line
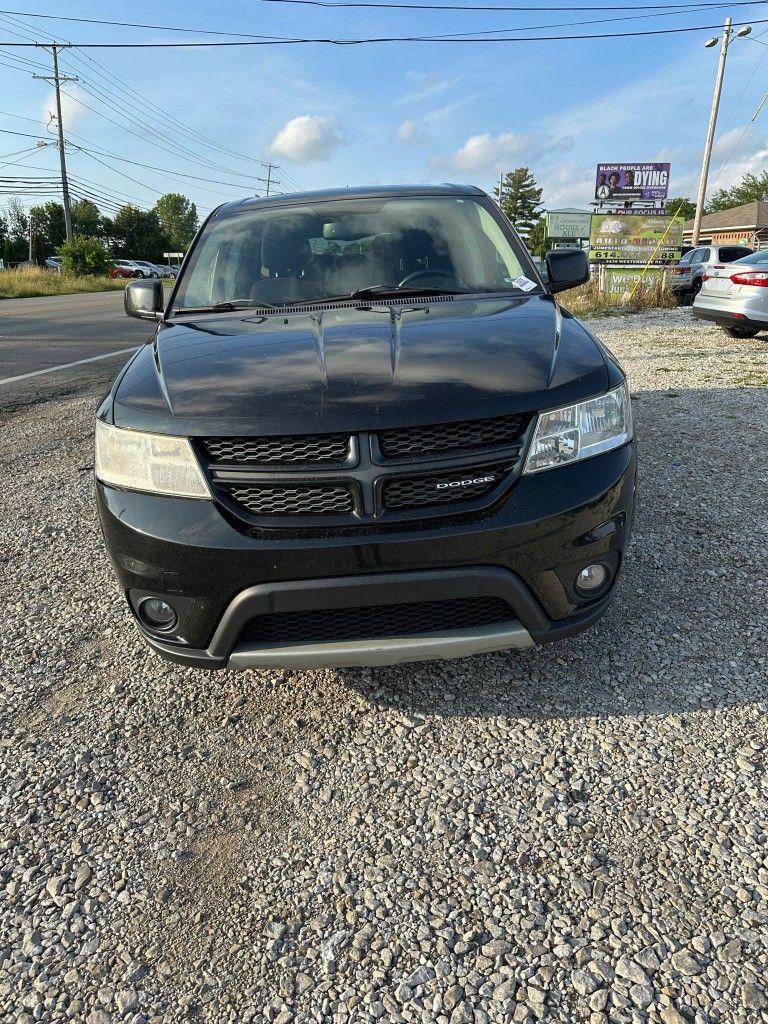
579 431
148 462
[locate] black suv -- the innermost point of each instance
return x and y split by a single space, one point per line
364 432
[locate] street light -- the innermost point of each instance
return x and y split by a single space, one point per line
728 33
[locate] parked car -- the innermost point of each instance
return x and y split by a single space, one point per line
736 296
149 269
118 270
688 275
125 268
53 262
131 265
364 433
168 270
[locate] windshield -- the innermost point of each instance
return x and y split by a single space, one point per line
279 256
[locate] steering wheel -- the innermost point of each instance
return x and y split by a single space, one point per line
416 274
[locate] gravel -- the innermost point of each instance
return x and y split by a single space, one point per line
573 833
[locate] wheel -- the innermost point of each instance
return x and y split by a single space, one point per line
695 289
740 332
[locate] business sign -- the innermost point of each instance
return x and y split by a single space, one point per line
568 225
625 182
635 238
620 282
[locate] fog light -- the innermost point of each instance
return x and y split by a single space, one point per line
157 614
592 578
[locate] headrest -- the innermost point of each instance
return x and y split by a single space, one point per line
284 251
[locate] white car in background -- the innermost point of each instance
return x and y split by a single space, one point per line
736 296
148 269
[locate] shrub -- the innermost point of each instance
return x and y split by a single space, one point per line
84 256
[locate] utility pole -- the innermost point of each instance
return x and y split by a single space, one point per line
270 167
724 44
30 237
57 79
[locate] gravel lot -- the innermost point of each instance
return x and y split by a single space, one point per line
577 833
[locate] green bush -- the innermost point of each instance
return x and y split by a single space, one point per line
84 256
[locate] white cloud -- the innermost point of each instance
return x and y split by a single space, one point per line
72 111
406 132
489 154
425 85
307 138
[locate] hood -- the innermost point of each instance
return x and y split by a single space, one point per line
359 368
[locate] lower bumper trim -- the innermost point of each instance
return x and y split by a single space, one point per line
726 319
389 651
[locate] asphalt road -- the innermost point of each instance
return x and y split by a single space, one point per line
51 333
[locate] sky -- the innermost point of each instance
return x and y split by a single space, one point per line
376 114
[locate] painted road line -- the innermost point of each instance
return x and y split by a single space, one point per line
66 366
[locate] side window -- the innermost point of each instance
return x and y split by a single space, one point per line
686 260
729 253
699 256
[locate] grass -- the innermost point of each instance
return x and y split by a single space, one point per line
589 300
30 282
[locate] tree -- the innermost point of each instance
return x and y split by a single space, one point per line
521 199
86 219
178 219
84 256
48 225
538 243
687 208
17 220
752 187
40 249
15 241
137 234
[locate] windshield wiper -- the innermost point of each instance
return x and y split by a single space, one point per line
224 307
386 291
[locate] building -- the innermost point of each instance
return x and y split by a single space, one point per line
746 225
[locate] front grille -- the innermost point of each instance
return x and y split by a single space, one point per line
421 491
346 479
442 438
291 500
395 620
266 451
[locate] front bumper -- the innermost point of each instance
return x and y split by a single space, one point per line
221 574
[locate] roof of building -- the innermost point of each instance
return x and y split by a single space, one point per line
750 215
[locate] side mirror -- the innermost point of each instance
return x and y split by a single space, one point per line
145 300
566 268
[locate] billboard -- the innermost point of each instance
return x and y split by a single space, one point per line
620 282
625 182
635 238
562 224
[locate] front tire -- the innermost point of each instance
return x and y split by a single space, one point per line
740 332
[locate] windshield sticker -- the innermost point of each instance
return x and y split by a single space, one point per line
525 284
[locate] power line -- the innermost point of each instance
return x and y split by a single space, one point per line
142 138
159 140
109 77
688 7
130 91
361 41
116 170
